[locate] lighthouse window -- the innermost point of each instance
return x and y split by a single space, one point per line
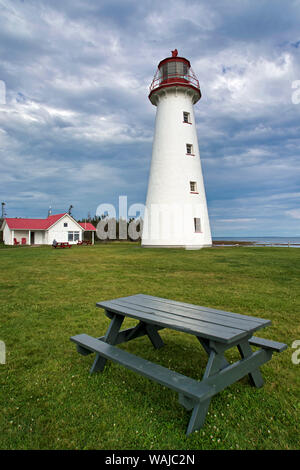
173 69
193 186
186 117
189 149
197 224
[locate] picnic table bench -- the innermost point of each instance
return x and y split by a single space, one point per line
84 242
216 330
62 245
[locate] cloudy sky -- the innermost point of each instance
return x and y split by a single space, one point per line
76 125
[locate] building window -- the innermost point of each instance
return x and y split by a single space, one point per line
65 224
193 186
73 236
186 117
189 149
197 224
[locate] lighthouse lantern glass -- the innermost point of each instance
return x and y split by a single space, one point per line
173 69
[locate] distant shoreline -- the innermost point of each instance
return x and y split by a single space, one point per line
249 243
231 242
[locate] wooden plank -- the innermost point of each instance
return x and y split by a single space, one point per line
171 321
110 337
193 314
246 351
154 337
268 344
198 307
192 322
199 413
184 320
206 347
122 337
238 370
194 326
210 331
178 382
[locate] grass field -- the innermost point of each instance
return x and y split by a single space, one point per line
48 400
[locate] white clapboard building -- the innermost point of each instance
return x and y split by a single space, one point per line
59 227
176 211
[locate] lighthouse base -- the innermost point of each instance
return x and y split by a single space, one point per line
186 247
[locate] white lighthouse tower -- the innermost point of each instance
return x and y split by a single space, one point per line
176 210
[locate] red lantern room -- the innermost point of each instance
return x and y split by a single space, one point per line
174 71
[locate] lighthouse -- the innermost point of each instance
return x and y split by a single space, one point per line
176 210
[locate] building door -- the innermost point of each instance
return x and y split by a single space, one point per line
32 238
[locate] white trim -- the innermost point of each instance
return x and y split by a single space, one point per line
70 217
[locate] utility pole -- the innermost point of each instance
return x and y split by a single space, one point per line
3 214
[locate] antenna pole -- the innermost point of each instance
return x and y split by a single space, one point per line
3 210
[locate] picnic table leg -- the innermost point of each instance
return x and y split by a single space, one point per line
154 336
205 344
246 351
110 338
129 334
214 365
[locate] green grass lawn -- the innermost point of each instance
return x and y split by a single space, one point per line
48 400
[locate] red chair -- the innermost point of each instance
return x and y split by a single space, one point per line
16 242
24 241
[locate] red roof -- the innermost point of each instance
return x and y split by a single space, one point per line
40 224
87 226
52 219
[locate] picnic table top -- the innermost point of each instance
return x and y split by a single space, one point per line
217 325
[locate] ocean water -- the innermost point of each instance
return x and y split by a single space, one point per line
294 242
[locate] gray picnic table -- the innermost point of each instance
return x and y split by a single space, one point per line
216 330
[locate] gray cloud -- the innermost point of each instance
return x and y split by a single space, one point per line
77 125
